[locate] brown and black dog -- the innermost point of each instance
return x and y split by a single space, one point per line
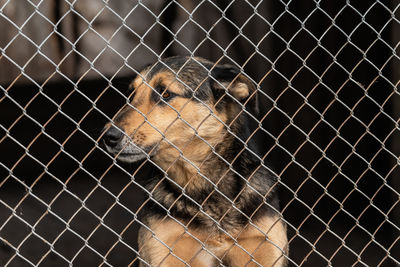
214 203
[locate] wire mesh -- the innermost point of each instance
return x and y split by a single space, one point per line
326 76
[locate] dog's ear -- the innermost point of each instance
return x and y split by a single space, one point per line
228 78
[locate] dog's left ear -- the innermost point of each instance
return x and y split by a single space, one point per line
229 78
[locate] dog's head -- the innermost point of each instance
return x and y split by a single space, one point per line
178 106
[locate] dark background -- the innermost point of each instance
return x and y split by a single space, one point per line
328 73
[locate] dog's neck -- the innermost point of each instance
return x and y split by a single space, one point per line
190 165
197 165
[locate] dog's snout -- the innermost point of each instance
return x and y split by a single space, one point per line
113 136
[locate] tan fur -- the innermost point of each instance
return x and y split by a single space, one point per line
171 244
173 247
266 245
240 91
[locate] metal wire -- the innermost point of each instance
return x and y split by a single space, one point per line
29 203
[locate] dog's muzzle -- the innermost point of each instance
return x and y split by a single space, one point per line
119 144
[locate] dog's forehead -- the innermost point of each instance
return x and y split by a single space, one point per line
184 69
164 78
187 74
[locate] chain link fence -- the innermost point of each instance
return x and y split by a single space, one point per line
327 76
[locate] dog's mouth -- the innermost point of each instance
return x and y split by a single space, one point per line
130 157
127 151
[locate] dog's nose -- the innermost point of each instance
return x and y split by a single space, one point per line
113 136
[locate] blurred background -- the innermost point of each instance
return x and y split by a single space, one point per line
328 74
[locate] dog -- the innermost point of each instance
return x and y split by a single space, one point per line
213 202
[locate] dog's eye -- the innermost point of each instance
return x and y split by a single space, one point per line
161 93
166 95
